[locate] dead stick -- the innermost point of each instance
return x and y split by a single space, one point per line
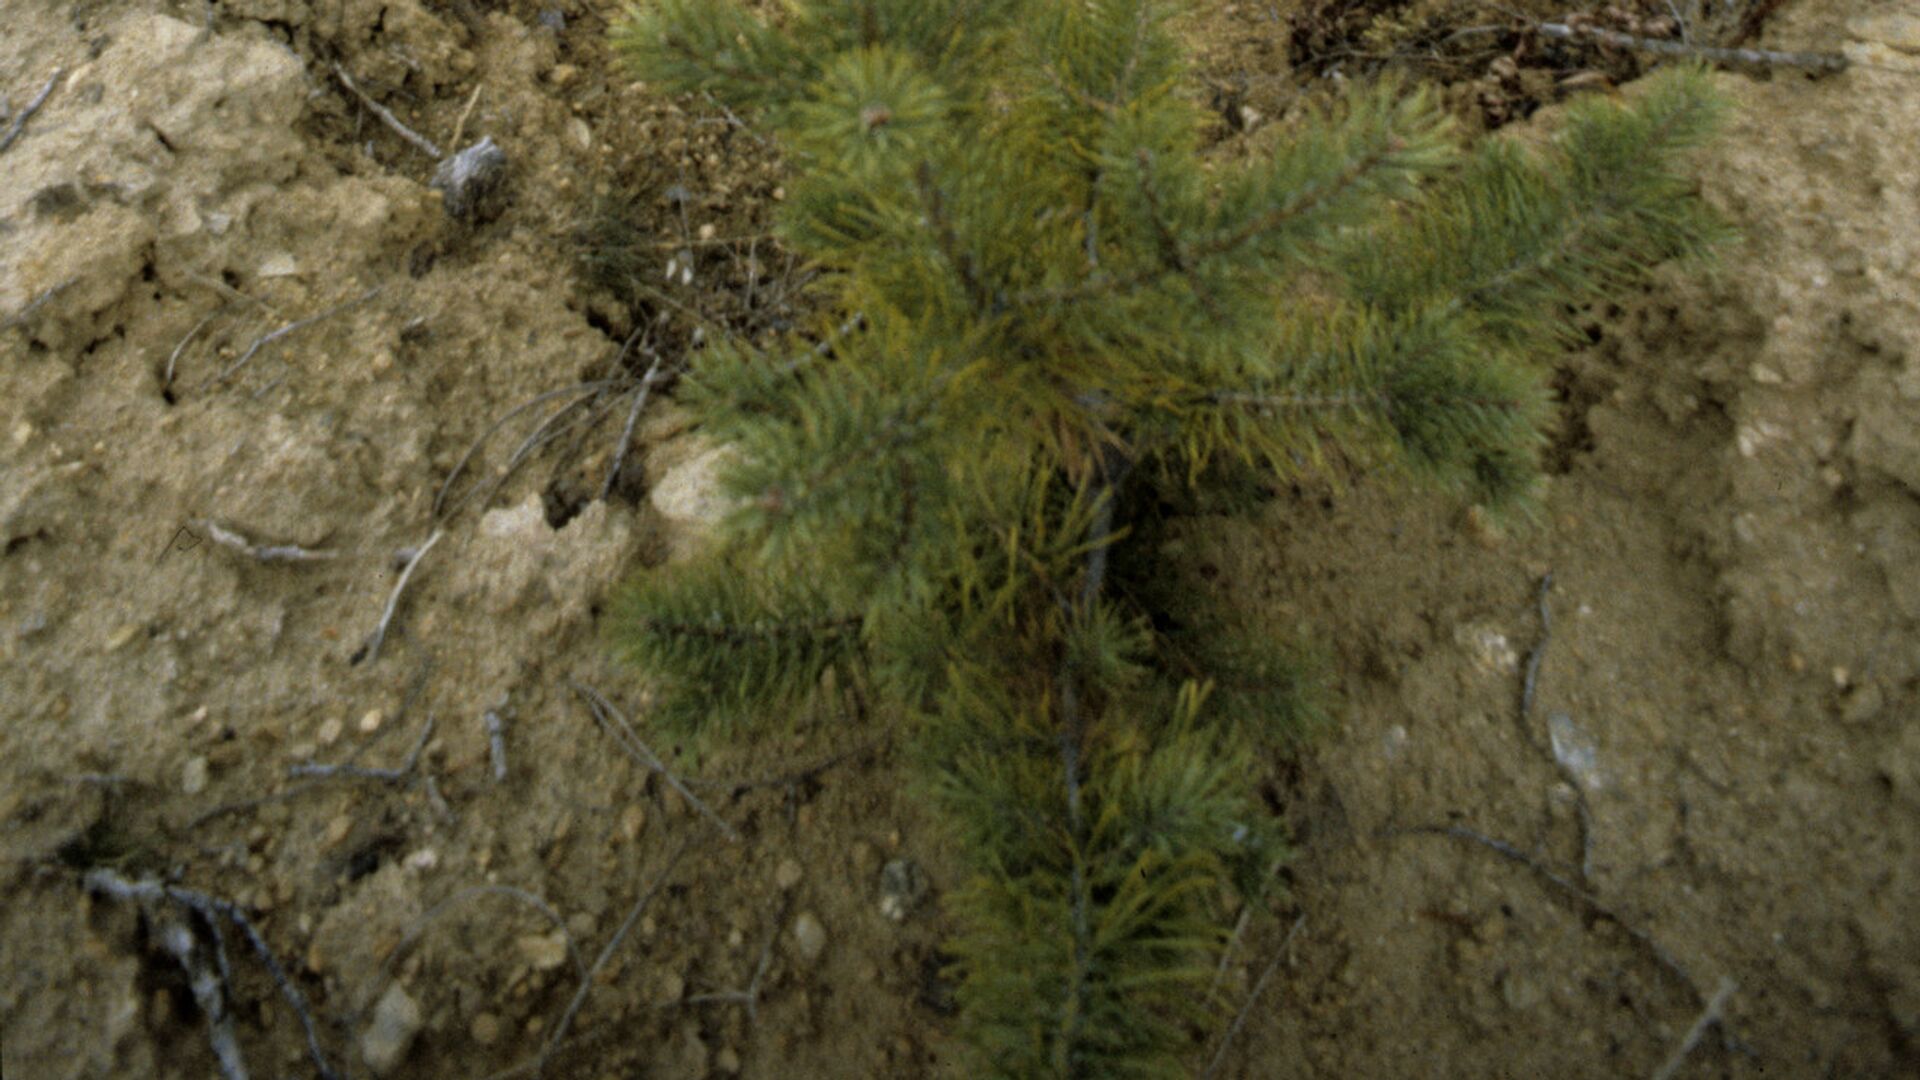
419 141
36 303
379 635
264 340
496 744
1286 948
1226 954
606 954
1708 1017
1527 689
750 997
174 357
264 553
104 880
633 417
20 121
432 914
1587 899
460 126
608 715
589 388
1753 57
363 772
209 988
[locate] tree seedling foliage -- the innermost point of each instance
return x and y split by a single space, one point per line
1052 328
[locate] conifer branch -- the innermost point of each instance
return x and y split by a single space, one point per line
946 513
961 261
746 635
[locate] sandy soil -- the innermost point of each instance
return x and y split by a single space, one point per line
1720 765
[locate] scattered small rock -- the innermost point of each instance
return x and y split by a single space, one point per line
1862 703
470 180
396 1020
544 951
633 821
330 730
1574 750
809 937
727 1060
371 722
902 885
485 1029
787 875
193 778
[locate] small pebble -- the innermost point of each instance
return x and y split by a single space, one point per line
371 722
396 1020
337 830
787 875
809 937
902 884
633 821
485 1029
544 951
193 778
330 731
727 1060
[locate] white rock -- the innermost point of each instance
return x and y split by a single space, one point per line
193 778
396 1020
809 937
544 951
1575 750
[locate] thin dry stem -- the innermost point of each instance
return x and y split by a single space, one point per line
616 724
20 121
419 142
371 649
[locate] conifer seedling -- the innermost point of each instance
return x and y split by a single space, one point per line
1051 328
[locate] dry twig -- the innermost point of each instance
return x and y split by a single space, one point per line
322 771
213 909
600 962
615 723
264 340
1709 1016
633 417
36 303
587 390
750 997
460 127
1527 688
1588 900
496 744
420 142
371 650
20 120
263 552
1286 950
166 383
1749 57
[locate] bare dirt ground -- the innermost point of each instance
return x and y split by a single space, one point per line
1720 764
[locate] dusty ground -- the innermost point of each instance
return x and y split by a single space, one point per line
1728 687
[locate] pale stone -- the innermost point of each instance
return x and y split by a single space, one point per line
396 1020
809 937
